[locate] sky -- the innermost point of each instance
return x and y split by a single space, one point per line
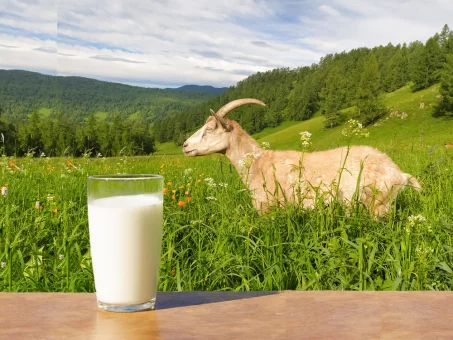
169 43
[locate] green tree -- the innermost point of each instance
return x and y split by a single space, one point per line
333 99
369 102
445 105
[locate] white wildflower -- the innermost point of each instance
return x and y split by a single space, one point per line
4 191
37 205
248 160
223 185
305 139
415 221
354 128
210 182
3 264
188 172
99 155
43 155
211 198
292 180
265 145
61 257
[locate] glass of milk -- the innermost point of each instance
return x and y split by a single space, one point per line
125 217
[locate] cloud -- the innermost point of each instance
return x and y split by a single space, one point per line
8 46
109 58
207 54
46 49
329 10
174 42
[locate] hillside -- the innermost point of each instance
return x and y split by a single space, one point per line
391 132
23 92
202 88
339 81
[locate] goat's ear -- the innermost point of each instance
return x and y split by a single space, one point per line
222 122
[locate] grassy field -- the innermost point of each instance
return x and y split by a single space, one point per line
215 240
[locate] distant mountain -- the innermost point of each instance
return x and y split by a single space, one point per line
23 92
202 88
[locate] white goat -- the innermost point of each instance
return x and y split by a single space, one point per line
380 179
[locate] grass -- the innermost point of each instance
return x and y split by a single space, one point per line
168 148
217 241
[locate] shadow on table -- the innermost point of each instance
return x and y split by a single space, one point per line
166 300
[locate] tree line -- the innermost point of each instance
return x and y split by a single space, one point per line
356 79
90 116
60 137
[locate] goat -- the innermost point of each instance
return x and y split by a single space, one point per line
267 172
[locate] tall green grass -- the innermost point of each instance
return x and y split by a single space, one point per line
217 240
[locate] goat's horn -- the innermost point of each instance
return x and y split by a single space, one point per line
219 119
224 110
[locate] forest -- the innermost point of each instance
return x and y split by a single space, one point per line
90 117
356 79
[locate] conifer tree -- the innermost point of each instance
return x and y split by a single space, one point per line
445 105
369 102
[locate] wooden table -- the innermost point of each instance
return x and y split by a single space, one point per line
229 315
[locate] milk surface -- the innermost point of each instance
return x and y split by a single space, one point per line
125 238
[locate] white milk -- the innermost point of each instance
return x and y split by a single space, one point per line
125 238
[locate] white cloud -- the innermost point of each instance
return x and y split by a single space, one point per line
205 41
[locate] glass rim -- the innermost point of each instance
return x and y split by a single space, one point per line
124 177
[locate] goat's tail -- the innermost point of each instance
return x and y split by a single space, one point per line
411 181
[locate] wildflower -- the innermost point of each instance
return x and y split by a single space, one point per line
305 135
41 207
37 205
181 187
181 204
165 190
415 221
223 185
48 169
42 154
210 181
188 171
247 161
173 197
4 191
61 257
188 184
187 193
199 181
3 264
354 128
16 169
265 145
210 198
188 199
173 191
11 163
55 211
68 162
50 197
99 155
422 183
173 271
169 184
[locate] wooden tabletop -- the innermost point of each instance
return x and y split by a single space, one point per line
229 315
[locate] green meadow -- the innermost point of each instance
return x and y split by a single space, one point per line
213 237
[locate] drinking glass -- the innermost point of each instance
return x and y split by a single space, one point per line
125 217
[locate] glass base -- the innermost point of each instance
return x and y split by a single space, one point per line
149 305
